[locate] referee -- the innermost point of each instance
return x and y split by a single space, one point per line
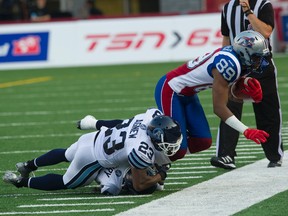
238 16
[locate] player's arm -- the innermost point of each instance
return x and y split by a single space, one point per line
220 91
141 180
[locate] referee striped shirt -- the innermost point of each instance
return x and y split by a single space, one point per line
233 20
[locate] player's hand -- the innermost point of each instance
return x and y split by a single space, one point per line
258 136
253 89
162 170
87 123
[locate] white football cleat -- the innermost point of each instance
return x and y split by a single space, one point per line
87 123
11 178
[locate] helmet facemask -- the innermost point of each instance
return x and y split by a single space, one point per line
170 148
257 63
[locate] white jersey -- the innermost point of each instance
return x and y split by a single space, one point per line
122 146
196 75
111 179
127 143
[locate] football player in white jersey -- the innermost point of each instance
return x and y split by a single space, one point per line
115 180
176 92
131 142
118 180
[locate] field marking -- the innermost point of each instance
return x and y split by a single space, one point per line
192 172
184 177
24 152
20 124
205 158
98 110
92 198
56 212
223 195
75 204
187 165
25 82
176 183
192 168
201 154
39 136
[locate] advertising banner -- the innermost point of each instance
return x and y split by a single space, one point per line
108 41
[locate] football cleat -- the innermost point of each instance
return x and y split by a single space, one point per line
87 123
225 162
11 178
273 164
24 170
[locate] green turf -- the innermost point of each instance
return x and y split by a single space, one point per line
37 117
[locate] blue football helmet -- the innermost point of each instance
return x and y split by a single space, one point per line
165 134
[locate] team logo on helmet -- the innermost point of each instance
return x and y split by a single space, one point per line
247 42
158 134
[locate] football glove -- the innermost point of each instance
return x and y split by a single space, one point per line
87 123
162 170
253 89
258 136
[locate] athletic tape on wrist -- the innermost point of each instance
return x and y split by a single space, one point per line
233 122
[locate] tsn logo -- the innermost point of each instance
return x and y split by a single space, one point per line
156 40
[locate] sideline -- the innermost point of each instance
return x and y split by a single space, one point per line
223 195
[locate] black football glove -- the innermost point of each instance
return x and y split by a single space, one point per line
162 170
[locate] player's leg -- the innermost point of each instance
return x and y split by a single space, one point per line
199 135
227 139
81 148
52 157
47 182
84 167
269 118
168 102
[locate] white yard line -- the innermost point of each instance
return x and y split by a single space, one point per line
57 212
75 204
223 195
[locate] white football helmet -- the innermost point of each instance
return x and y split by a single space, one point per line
251 47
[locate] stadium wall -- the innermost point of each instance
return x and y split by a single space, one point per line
108 41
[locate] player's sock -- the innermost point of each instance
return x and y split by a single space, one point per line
22 183
47 182
107 123
52 157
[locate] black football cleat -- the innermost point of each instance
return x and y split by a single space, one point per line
273 164
225 162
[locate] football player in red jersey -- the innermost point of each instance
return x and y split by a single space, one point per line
176 92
